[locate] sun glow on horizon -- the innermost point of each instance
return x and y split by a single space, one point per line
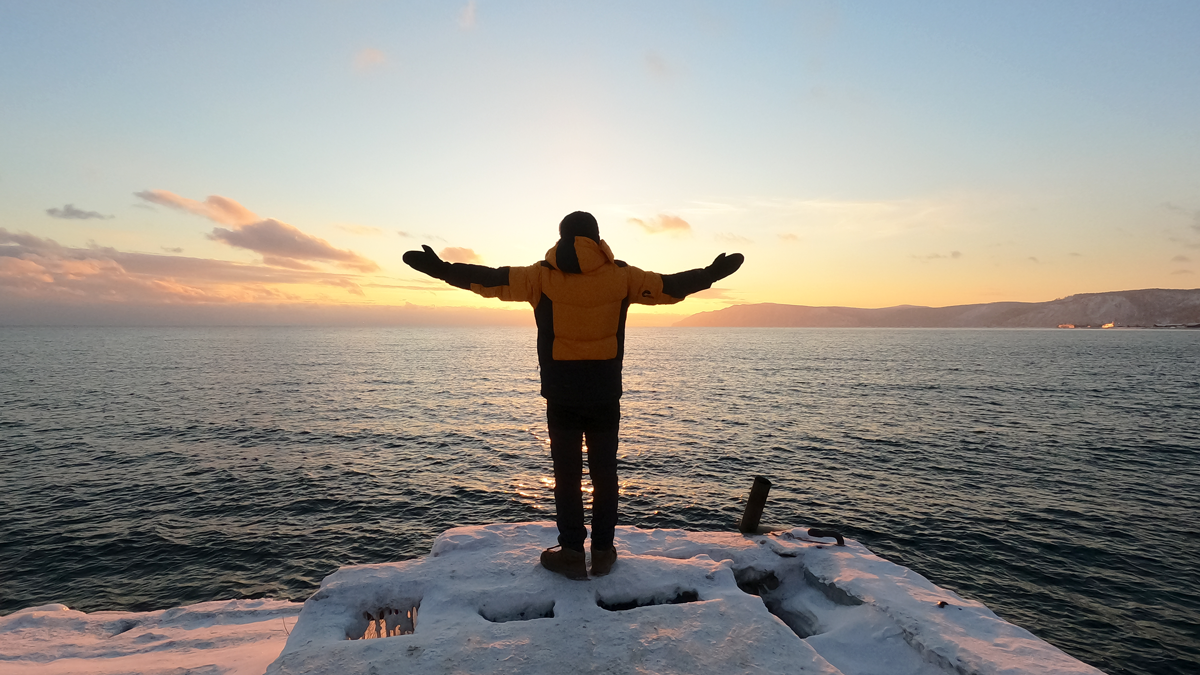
864 156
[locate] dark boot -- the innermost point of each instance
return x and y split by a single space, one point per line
602 560
568 562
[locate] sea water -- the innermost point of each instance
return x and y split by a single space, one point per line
1052 474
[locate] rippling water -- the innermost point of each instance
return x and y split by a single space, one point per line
1053 475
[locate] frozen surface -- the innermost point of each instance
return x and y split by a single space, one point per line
676 602
237 637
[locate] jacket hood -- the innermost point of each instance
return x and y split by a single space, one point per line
581 256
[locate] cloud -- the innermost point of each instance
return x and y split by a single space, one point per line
41 270
1033 260
18 312
953 255
1193 215
367 59
663 223
1181 259
657 66
285 246
788 236
26 240
713 294
347 284
216 208
359 229
422 237
466 16
419 286
69 212
172 249
460 255
17 269
730 238
284 262
1075 255
280 244
861 220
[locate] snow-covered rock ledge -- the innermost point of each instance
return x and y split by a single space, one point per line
676 602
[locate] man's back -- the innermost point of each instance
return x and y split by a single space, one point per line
580 296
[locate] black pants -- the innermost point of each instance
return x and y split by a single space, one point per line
568 425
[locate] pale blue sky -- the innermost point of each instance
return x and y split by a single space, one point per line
862 154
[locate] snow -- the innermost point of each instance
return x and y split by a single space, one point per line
675 602
235 637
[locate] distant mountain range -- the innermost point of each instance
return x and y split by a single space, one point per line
1125 308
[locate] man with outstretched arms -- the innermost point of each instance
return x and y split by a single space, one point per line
580 296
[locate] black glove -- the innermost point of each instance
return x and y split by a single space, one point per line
428 262
723 266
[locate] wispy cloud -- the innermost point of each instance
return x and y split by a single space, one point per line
1033 260
280 244
282 261
368 59
358 229
467 15
460 255
42 270
418 285
69 212
1182 272
854 219
172 249
346 284
215 208
1191 214
658 67
953 255
731 238
421 236
663 223
1181 259
713 294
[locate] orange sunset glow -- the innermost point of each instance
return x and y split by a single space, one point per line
854 160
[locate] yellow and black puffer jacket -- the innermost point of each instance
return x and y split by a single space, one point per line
580 296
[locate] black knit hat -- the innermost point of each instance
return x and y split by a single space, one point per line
579 224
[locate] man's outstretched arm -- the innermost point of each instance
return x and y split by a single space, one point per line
682 284
651 288
506 283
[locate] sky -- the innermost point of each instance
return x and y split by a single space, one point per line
195 160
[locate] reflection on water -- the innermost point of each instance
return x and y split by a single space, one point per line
147 468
